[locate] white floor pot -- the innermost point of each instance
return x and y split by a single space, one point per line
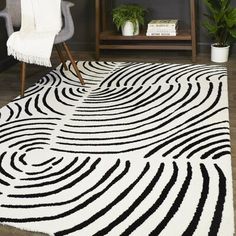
219 54
128 29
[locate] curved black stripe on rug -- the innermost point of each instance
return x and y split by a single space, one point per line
156 204
57 180
134 205
103 211
57 190
65 167
90 200
217 218
200 207
176 204
104 178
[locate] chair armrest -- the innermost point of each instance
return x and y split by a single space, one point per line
8 22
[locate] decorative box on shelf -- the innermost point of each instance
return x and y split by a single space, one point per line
162 27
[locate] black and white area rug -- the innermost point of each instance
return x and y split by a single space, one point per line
141 149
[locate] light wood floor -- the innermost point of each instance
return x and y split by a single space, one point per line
9 89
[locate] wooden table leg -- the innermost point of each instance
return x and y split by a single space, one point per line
22 78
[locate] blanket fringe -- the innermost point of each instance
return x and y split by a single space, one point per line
29 58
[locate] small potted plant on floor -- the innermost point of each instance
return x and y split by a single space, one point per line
128 18
221 25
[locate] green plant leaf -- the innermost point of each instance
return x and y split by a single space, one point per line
220 21
128 12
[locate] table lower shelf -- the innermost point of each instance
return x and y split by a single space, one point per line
184 35
145 47
114 41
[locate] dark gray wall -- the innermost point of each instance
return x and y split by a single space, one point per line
84 18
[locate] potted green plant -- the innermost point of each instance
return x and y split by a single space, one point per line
128 17
221 25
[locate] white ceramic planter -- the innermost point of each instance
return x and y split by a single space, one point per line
219 54
128 29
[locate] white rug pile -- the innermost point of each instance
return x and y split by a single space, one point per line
141 149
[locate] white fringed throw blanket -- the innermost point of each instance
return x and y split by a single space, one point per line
40 22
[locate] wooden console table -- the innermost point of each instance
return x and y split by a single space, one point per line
106 38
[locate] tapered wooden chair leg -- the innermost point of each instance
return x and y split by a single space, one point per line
73 62
22 78
61 56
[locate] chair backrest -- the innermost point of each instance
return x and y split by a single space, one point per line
13 8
